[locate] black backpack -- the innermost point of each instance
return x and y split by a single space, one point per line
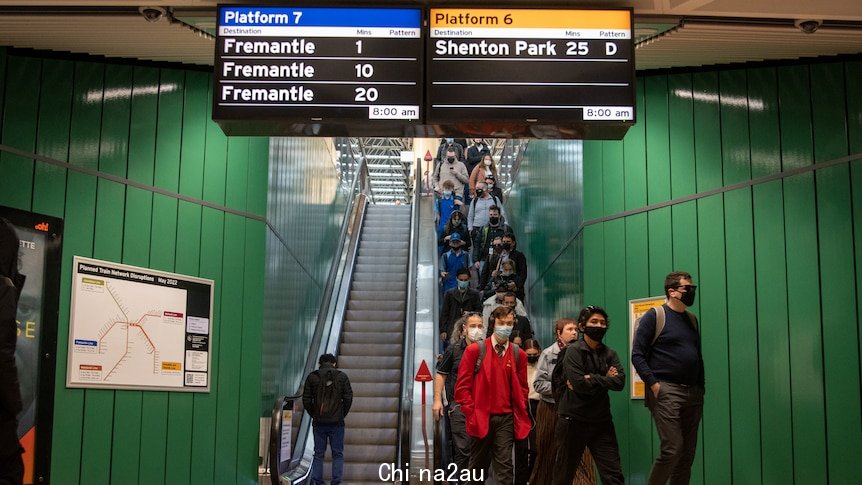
558 378
327 403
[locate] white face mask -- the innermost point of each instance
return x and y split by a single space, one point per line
475 333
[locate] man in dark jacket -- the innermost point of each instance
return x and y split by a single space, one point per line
327 396
591 369
11 283
457 301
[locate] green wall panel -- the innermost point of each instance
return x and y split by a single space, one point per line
840 331
152 126
780 287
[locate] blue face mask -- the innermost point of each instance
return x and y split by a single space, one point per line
463 285
503 331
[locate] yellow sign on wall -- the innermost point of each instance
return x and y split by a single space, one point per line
636 309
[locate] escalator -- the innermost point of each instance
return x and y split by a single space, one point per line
371 347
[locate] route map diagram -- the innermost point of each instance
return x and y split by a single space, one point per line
127 332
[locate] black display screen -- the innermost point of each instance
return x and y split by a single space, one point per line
301 67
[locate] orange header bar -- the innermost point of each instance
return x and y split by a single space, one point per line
530 18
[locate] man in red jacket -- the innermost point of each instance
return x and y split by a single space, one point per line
493 398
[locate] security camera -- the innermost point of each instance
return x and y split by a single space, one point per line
152 14
808 26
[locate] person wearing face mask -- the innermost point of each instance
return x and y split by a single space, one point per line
471 330
451 169
445 206
525 450
453 260
476 152
482 170
483 236
591 369
566 332
480 207
493 397
457 223
670 362
457 301
447 144
494 189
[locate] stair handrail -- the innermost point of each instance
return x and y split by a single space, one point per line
406 415
330 309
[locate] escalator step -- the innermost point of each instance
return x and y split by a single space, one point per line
374 277
349 362
383 348
356 295
383 285
387 252
384 329
375 315
363 404
388 304
380 390
372 420
380 268
361 338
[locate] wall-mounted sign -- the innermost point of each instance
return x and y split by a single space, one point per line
285 70
138 328
636 310
531 67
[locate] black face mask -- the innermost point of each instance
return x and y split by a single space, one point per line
450 159
507 246
494 220
479 192
596 333
532 359
687 298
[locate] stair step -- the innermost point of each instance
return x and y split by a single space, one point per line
359 304
385 252
380 268
371 420
375 315
382 277
389 390
388 349
375 375
385 329
385 285
381 296
375 404
349 362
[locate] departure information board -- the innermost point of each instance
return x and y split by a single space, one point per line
530 66
282 70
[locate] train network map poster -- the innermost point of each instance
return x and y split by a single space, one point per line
138 328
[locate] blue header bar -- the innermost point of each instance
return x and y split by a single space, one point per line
319 17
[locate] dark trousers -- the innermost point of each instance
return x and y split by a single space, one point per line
573 436
334 434
497 444
459 441
677 411
11 465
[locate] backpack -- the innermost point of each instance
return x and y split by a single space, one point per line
481 343
659 322
558 377
327 403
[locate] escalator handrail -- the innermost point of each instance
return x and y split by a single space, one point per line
406 415
340 271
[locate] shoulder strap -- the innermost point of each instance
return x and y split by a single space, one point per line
659 323
692 319
481 344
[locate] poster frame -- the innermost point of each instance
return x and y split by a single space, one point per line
120 266
637 388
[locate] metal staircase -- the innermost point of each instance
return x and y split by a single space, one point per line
371 352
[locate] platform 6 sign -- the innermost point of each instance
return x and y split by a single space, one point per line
307 65
530 65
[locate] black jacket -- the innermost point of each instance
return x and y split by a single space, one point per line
455 304
309 393
11 284
589 400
